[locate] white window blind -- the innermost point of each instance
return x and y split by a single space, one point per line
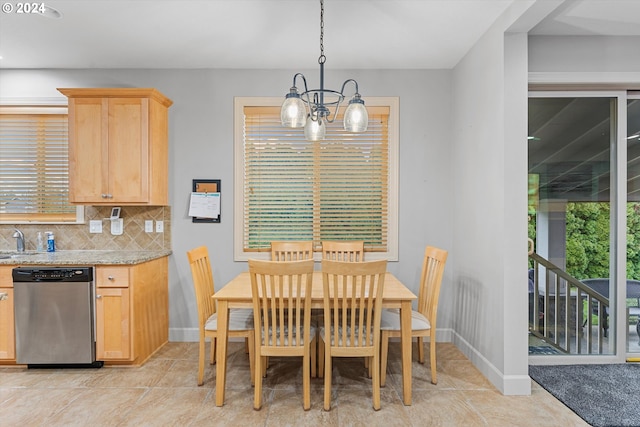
34 177
335 189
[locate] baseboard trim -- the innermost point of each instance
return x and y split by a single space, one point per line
509 385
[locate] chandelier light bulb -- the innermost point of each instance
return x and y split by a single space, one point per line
315 130
293 113
356 117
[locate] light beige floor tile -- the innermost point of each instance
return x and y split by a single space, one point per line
287 402
465 375
108 407
23 377
147 375
181 350
445 351
443 408
184 373
167 406
355 408
350 373
164 392
237 410
499 410
420 376
32 406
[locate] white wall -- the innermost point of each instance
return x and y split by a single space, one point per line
604 61
201 146
490 227
599 56
478 157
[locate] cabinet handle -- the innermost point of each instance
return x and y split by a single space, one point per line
111 278
104 196
110 196
4 296
98 296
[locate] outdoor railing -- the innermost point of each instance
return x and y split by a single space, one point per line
560 302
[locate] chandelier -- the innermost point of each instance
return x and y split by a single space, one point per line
313 108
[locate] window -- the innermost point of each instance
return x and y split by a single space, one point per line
34 178
341 188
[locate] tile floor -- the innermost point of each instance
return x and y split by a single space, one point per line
163 392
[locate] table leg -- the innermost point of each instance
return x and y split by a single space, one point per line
221 351
405 330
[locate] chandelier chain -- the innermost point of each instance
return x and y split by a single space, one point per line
322 58
310 109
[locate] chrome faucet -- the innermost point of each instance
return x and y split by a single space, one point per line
19 236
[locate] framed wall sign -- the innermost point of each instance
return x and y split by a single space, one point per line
204 204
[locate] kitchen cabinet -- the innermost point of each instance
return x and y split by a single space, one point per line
132 311
113 324
118 146
7 324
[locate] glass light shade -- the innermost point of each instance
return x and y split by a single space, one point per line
314 130
293 113
356 117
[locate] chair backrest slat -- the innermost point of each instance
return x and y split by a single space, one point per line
202 282
347 250
354 291
291 251
430 282
281 292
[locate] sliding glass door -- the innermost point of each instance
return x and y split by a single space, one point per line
584 210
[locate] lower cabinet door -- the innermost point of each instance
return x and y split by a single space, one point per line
113 324
7 325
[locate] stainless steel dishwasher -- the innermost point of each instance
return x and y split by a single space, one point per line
54 316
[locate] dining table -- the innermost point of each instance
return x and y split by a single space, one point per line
237 294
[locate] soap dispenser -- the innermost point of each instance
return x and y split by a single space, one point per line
51 242
39 242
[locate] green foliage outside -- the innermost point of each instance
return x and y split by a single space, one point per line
633 241
588 239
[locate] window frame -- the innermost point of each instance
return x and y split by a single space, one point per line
27 107
393 182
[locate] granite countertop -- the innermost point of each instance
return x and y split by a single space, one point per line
60 258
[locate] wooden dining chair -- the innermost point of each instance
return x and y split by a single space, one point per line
240 320
340 250
423 321
281 294
295 251
347 250
352 295
291 251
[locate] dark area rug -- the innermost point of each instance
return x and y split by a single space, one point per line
602 395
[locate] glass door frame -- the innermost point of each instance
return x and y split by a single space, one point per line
629 356
618 225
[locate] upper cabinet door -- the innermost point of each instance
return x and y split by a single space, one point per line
128 150
86 142
118 146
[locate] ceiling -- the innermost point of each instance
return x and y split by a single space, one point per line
570 147
359 34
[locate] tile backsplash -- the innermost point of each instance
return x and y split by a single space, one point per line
77 236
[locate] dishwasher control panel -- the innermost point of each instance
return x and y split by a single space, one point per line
53 274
